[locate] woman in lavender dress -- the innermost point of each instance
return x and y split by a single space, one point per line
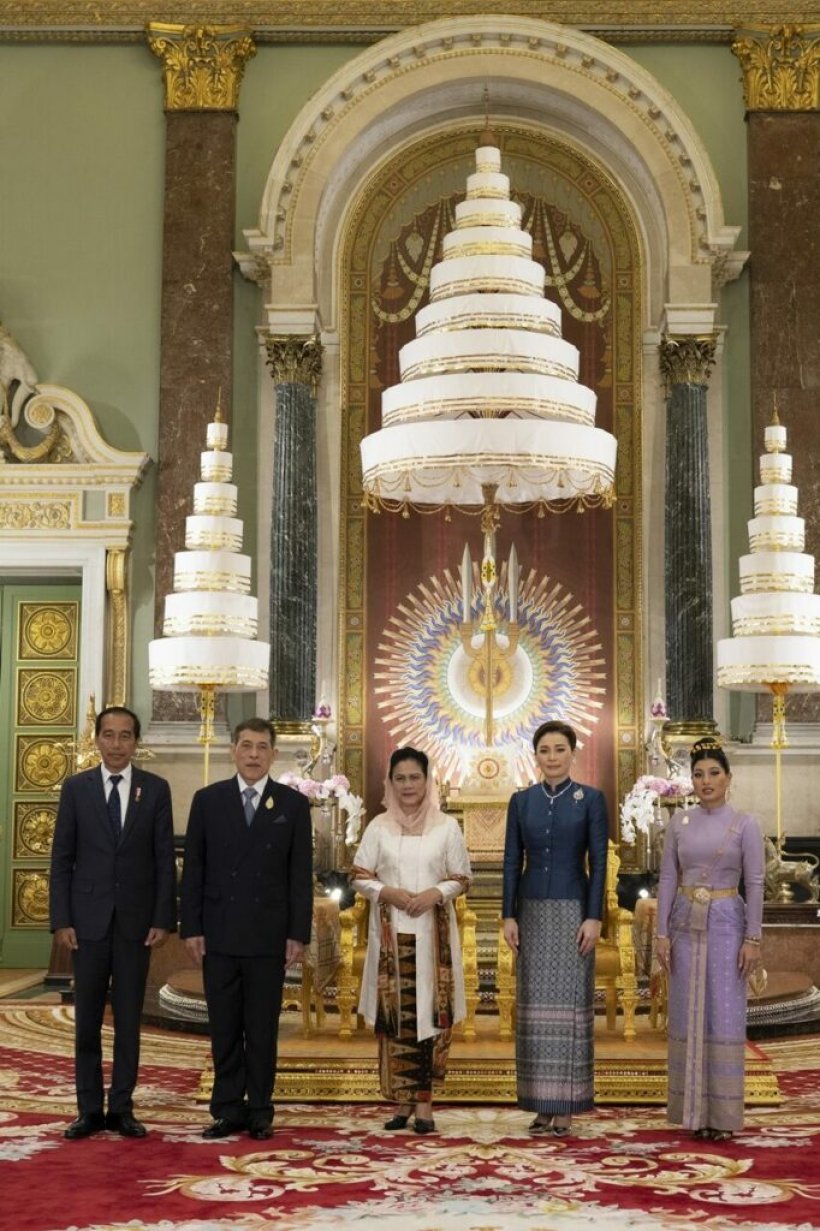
708 941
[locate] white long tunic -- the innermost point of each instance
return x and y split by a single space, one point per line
415 863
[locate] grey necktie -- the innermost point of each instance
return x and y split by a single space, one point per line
114 805
249 795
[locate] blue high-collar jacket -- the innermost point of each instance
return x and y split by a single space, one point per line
545 854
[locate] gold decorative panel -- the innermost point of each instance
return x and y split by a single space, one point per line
33 829
47 697
40 764
30 899
48 630
485 825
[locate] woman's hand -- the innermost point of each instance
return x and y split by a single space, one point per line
663 952
511 934
394 896
588 934
422 902
748 959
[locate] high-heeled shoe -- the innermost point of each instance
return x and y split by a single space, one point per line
702 1134
398 1121
720 1134
424 1126
541 1124
562 1130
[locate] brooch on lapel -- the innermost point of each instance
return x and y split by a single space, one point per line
137 794
269 803
579 794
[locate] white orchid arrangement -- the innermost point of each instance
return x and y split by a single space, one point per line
335 788
638 808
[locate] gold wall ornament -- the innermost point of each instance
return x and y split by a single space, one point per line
26 514
30 899
33 829
41 764
117 657
48 630
295 360
781 67
202 65
687 360
15 450
46 698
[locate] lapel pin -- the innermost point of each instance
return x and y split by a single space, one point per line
579 794
137 794
269 802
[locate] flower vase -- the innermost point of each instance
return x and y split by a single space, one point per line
323 835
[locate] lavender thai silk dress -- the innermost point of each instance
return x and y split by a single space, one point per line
706 1021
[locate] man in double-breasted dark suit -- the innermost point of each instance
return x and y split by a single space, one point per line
247 902
113 898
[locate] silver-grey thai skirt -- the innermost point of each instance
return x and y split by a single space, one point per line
554 1010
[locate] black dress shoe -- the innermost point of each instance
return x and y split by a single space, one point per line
125 1123
260 1131
85 1125
396 1122
424 1126
223 1128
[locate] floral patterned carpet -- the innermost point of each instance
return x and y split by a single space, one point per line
332 1165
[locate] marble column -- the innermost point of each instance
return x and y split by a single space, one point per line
686 363
202 70
295 363
781 84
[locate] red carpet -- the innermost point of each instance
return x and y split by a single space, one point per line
331 1166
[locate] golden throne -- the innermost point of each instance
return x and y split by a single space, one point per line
614 962
353 943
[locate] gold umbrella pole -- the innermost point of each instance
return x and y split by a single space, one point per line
779 742
207 702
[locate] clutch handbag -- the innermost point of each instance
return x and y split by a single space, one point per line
757 981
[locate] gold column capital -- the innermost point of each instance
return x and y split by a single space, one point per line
202 65
781 67
292 358
687 360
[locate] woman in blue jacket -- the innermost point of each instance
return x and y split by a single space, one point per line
554 876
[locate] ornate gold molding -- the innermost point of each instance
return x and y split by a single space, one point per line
781 67
116 689
202 65
294 359
687 361
367 21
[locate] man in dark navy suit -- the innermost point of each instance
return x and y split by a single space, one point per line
247 902
113 898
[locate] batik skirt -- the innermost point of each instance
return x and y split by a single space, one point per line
408 1065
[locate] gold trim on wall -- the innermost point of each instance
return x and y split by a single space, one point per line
367 21
116 580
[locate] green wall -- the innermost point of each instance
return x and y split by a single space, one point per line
81 239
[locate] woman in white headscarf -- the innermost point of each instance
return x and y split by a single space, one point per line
411 865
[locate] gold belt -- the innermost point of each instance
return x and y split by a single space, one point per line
700 893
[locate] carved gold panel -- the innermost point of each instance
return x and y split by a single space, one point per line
48 630
47 698
484 829
30 898
40 765
33 829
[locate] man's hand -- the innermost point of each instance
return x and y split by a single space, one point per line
511 934
294 950
196 948
588 934
156 936
420 903
66 938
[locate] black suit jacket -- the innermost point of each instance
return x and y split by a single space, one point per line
93 875
248 889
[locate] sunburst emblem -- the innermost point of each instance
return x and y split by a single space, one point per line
432 692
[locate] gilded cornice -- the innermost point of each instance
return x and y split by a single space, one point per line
202 65
781 67
687 360
366 21
295 360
